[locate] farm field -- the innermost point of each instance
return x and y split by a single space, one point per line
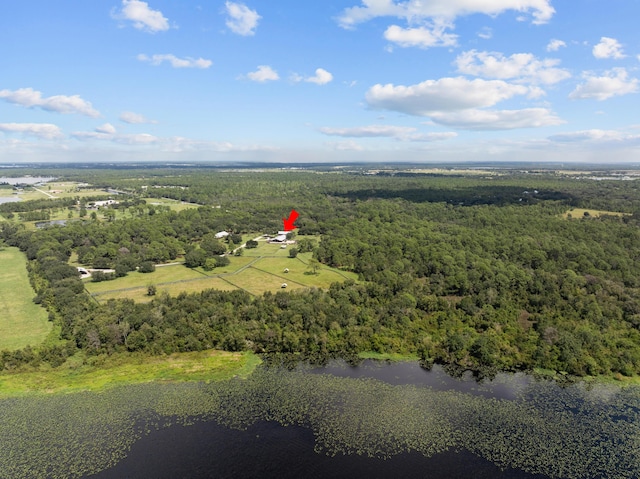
22 322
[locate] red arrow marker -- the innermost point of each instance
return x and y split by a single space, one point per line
288 223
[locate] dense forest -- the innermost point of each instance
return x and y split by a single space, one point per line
479 272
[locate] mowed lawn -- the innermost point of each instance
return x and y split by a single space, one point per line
22 322
134 279
140 294
257 282
259 271
299 272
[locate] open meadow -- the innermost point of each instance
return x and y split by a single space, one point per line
261 270
22 322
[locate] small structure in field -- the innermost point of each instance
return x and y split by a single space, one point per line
286 270
284 285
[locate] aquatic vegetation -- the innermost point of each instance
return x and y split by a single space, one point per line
579 431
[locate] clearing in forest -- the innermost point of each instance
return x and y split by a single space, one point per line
580 213
22 322
254 274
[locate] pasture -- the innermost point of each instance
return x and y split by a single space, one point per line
577 213
22 322
254 274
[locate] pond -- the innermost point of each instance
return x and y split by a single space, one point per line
373 420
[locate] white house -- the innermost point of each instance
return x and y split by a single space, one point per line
222 234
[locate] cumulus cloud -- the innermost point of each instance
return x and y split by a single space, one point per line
608 48
45 131
402 133
176 62
134 118
519 66
418 10
263 73
30 98
615 82
143 17
445 94
555 45
241 19
422 37
322 77
474 119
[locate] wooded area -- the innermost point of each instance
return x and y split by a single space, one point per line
483 273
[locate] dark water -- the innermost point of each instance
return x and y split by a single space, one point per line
267 449
47 224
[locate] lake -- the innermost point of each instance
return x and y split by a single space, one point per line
373 420
25 180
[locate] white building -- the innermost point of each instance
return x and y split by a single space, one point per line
222 234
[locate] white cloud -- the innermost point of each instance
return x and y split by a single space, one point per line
402 133
417 10
473 119
520 66
322 77
30 98
555 45
588 135
486 33
143 17
107 128
176 62
422 37
614 82
445 94
608 48
242 20
134 118
135 139
263 73
45 131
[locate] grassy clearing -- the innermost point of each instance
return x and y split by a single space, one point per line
579 213
298 271
75 376
266 249
134 279
21 321
140 294
257 282
175 205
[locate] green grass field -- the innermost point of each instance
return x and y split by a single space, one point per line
175 205
120 369
577 213
255 274
21 321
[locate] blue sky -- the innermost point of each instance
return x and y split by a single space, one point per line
348 80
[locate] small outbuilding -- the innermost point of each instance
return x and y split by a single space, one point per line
221 234
284 285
